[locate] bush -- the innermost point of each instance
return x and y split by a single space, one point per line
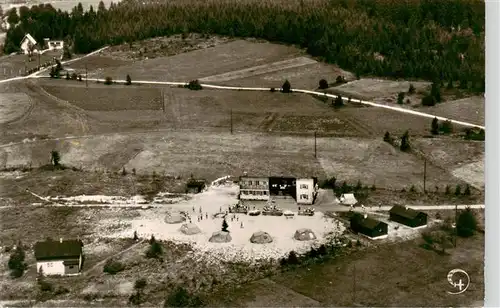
194 85
74 76
405 142
339 79
323 84
128 80
287 87
135 299
401 97
67 76
447 190
446 127
45 286
154 251
79 77
388 138
224 225
16 262
467 190
140 284
411 89
272 90
113 267
338 102
108 80
292 259
435 126
428 100
466 223
458 190
180 297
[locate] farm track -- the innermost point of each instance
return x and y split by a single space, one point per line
79 113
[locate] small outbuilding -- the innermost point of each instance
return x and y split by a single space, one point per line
220 237
189 229
304 234
63 257
408 216
348 199
261 237
367 226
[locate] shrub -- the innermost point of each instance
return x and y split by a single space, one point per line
411 89
128 80
180 297
323 84
16 262
428 100
408 101
272 90
435 126
45 286
446 127
405 142
447 190
74 76
466 223
401 97
339 79
79 77
338 102
140 284
287 87
135 299
124 171
67 76
412 189
373 188
154 251
108 80
458 190
113 267
292 259
194 85
135 236
388 138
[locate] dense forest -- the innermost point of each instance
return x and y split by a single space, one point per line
427 39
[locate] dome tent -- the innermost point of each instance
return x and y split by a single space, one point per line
220 237
304 235
189 229
261 237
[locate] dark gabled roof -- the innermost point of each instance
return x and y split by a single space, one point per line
367 222
405 212
51 249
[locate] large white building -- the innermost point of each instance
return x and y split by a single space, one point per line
306 191
254 188
63 257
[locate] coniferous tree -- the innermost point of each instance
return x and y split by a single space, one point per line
435 126
405 142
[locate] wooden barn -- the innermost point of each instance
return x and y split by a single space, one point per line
408 216
368 226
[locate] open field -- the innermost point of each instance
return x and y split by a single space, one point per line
470 109
223 58
211 155
13 106
420 279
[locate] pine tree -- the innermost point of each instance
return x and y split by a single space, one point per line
435 126
287 87
129 80
436 91
224 225
401 97
405 142
411 89
338 102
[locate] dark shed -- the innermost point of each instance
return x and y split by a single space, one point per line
368 226
408 216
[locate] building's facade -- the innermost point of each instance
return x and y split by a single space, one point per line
306 191
28 43
408 216
282 186
63 257
53 44
254 188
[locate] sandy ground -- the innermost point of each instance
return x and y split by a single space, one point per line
151 222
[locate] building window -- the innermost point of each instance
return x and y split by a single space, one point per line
71 266
265 193
256 182
304 186
249 182
304 196
244 192
49 264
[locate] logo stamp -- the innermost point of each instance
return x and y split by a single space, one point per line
459 280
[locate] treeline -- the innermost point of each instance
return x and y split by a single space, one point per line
428 39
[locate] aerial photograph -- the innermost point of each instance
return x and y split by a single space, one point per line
242 153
